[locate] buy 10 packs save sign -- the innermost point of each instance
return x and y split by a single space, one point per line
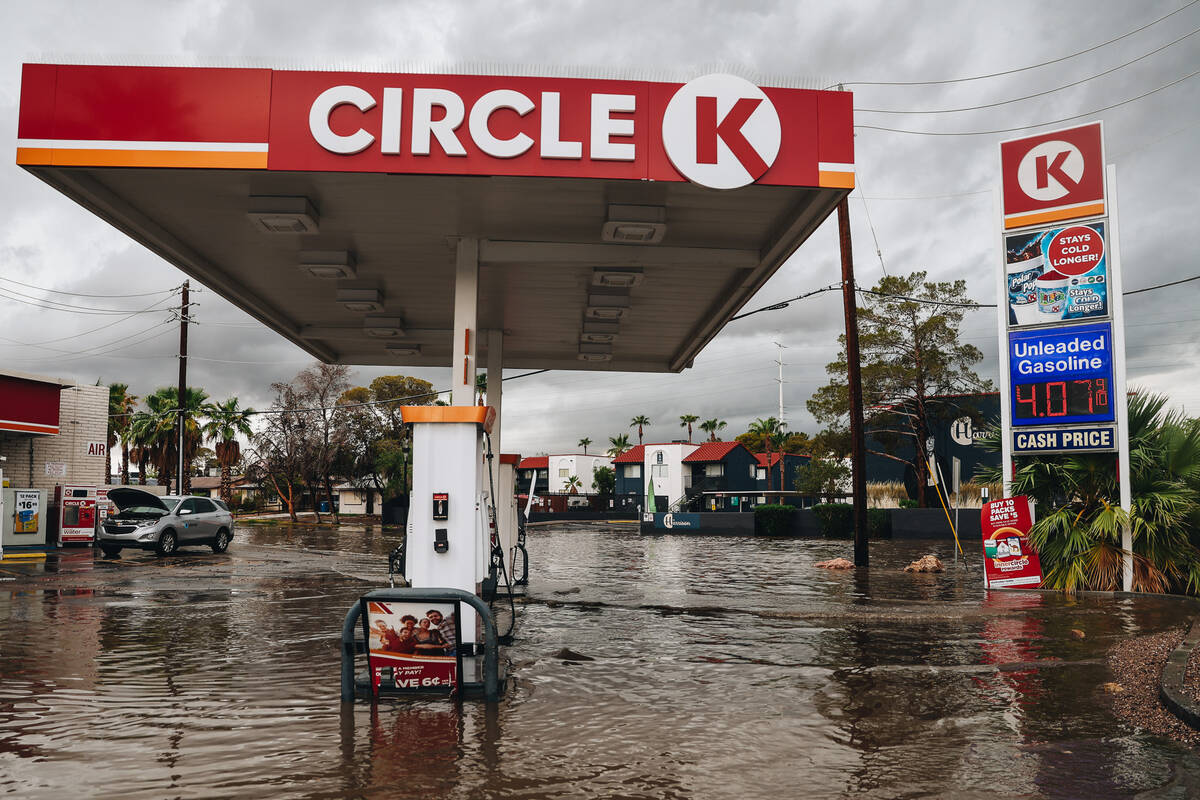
1057 274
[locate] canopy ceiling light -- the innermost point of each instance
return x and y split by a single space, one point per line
404 349
608 297
361 301
272 214
617 277
328 264
599 331
383 327
635 224
594 352
604 313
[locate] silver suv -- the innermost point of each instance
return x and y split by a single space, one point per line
164 524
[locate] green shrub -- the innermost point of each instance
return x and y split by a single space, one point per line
906 503
773 520
835 520
879 523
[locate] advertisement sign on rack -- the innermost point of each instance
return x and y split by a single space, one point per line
412 646
28 508
1008 557
1057 275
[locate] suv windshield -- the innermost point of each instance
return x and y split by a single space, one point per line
141 510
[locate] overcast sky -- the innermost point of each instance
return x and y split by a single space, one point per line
928 197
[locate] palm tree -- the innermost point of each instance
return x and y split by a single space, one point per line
480 386
639 421
141 449
685 421
574 484
619 444
584 442
121 405
772 432
225 422
156 431
711 426
1078 531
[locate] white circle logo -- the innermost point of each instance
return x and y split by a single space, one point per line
721 131
668 520
962 431
1050 170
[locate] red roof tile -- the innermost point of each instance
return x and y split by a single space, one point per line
634 455
712 451
534 462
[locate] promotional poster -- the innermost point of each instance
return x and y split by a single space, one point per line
1008 557
417 642
1057 274
28 508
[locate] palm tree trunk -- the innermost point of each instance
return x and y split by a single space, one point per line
124 463
226 476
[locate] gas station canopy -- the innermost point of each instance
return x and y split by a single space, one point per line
613 224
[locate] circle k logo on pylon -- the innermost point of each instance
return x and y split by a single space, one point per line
1050 170
721 131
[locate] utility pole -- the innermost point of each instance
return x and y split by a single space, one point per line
779 361
858 447
182 400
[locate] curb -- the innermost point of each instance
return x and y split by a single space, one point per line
1170 689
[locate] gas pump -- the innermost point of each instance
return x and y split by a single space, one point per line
448 540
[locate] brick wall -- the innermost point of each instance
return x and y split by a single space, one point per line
83 420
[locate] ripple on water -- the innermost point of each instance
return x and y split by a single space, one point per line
720 666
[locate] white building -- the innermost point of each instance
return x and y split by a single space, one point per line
663 464
562 467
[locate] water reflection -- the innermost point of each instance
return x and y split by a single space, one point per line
722 666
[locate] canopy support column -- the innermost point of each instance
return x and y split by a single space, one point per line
466 304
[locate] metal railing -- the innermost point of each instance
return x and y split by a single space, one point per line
491 659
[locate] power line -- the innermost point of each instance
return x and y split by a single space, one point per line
1032 125
1018 69
782 304
1036 94
124 339
1163 285
81 294
131 315
54 305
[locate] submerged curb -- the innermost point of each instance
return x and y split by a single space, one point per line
1170 689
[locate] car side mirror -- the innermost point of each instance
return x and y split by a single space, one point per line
184 511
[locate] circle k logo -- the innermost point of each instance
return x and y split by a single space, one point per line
1050 170
721 131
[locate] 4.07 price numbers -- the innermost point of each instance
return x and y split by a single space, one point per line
1079 398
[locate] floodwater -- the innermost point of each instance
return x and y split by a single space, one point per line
723 667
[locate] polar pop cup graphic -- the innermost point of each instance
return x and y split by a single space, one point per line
721 131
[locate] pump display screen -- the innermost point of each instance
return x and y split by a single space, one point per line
1054 399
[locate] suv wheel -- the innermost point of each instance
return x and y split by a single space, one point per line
168 543
220 543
